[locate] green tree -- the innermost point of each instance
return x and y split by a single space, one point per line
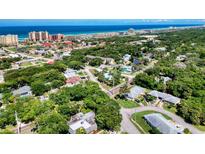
108 117
39 88
51 123
95 62
75 65
81 131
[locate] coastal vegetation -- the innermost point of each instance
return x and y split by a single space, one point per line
51 116
180 57
186 82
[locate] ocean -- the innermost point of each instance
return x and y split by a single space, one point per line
22 31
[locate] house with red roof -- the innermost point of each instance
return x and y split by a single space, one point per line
50 62
47 44
73 80
68 42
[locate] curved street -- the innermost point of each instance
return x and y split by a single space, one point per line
128 126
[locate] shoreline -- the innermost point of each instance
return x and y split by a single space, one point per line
155 30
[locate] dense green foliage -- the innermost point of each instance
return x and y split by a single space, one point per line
115 77
52 116
41 79
51 123
188 82
91 98
5 63
95 62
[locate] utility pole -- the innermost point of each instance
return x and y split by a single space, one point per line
18 123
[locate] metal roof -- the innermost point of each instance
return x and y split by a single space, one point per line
136 91
22 90
161 123
165 96
70 73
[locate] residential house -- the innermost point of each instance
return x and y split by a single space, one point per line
126 58
41 52
165 97
2 52
50 62
181 58
126 69
110 61
73 80
107 76
43 98
23 91
180 65
135 92
164 126
13 55
136 61
161 49
80 120
165 79
70 73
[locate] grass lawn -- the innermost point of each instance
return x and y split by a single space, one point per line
26 64
12 49
141 124
128 104
170 108
142 100
200 127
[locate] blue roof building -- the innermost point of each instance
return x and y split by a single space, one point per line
126 69
107 76
136 61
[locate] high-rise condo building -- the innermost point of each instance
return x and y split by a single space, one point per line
56 37
9 39
38 36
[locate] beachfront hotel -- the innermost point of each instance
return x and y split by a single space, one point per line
9 39
38 36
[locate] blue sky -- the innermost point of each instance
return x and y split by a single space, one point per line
63 22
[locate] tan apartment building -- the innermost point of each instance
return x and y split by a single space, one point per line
38 36
9 39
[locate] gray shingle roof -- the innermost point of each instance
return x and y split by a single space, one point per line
163 125
164 96
135 92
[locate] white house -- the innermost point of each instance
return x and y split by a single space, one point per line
126 57
80 120
70 73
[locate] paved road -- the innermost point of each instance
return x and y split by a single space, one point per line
93 78
126 124
128 112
